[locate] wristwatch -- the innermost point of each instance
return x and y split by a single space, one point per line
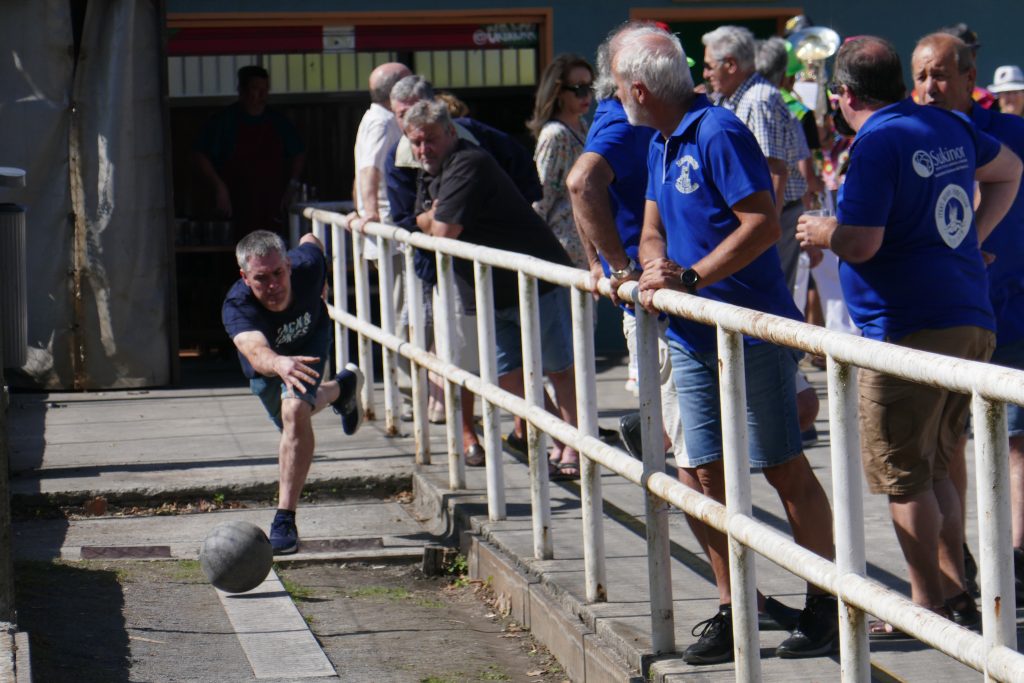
689 278
630 268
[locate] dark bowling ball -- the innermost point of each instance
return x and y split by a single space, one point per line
236 556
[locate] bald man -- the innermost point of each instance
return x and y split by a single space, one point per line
944 76
378 132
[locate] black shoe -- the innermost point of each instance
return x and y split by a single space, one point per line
970 571
777 616
629 428
350 383
1018 573
715 639
963 610
516 443
608 436
817 631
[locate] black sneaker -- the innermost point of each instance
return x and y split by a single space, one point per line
1018 573
817 631
963 610
284 536
970 572
629 428
777 616
714 644
350 384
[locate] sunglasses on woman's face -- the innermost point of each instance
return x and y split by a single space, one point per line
581 90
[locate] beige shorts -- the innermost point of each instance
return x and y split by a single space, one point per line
909 431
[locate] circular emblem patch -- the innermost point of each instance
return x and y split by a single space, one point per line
953 215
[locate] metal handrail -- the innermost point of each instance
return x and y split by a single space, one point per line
993 653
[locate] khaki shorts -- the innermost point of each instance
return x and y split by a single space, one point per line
909 431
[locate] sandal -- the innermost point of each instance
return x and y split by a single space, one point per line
879 629
566 471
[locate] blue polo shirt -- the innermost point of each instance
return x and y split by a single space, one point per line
1006 273
624 147
912 171
710 163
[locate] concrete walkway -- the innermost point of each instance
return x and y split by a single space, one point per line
166 444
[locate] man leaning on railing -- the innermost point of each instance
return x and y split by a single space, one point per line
464 194
710 227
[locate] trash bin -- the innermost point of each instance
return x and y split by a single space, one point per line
13 302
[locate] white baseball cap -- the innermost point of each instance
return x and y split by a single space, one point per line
1007 79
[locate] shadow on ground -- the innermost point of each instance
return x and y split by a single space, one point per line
74 617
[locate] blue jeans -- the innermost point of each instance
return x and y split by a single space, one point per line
555 334
773 431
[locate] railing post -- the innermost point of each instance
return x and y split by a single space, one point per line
533 386
489 374
444 322
389 369
992 475
417 373
736 456
848 504
652 434
360 272
590 472
319 230
339 278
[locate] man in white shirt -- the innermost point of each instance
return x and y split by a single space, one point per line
378 133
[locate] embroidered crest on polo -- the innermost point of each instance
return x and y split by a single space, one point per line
953 215
683 183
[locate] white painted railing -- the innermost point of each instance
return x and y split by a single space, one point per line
993 653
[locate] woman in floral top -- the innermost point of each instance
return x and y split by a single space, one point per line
562 99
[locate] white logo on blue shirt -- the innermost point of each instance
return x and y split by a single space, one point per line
953 215
922 164
939 162
683 182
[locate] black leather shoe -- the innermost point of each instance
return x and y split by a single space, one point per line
817 631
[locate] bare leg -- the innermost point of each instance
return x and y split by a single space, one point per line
807 507
564 383
1017 489
469 437
710 480
807 405
958 475
296 451
951 539
917 521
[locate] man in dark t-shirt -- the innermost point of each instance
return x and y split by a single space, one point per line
464 194
275 315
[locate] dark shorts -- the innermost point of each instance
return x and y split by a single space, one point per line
271 390
909 431
555 334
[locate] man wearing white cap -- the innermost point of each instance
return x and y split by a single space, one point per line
1008 85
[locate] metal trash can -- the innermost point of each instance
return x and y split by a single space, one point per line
13 286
